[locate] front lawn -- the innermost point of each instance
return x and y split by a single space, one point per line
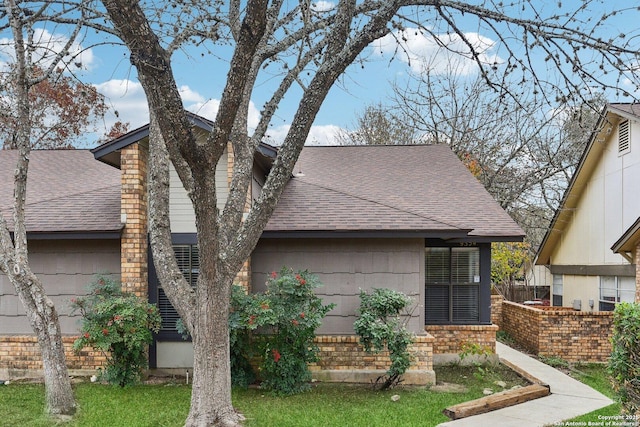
596 376
324 405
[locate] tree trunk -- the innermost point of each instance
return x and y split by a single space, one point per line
43 318
14 256
58 392
211 392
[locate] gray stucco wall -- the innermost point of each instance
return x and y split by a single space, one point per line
345 266
65 268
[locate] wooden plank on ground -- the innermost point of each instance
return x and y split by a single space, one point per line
496 401
524 374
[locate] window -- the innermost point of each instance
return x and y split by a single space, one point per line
557 290
624 138
189 264
452 285
615 289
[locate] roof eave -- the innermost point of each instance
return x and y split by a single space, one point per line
627 241
363 234
75 235
104 152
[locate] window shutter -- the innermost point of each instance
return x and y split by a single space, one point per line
624 140
168 314
189 264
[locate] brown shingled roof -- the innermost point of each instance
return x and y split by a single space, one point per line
67 191
422 189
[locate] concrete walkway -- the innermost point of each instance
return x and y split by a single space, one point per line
569 398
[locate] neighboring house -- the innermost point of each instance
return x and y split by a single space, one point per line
591 247
411 218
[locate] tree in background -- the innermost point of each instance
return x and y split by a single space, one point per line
508 263
523 155
25 75
61 109
377 125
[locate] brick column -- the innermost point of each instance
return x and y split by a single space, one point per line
133 208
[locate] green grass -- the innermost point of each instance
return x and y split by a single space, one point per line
99 405
324 405
596 377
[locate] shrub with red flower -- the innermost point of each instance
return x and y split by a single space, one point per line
120 325
287 315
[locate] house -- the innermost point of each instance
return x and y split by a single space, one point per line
411 218
591 248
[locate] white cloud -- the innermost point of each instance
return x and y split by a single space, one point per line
629 87
323 6
127 101
209 110
446 54
47 46
189 95
318 135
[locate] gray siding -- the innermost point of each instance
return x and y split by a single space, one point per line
65 268
345 266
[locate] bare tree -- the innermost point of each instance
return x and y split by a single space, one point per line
523 151
377 125
14 256
309 47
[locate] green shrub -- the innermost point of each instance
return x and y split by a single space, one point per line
288 314
120 325
505 338
380 328
624 364
242 350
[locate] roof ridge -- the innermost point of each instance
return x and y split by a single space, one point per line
378 203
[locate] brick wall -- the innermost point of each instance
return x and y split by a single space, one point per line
133 205
448 339
20 356
343 359
575 336
496 310
523 324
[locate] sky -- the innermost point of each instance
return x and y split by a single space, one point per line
201 78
